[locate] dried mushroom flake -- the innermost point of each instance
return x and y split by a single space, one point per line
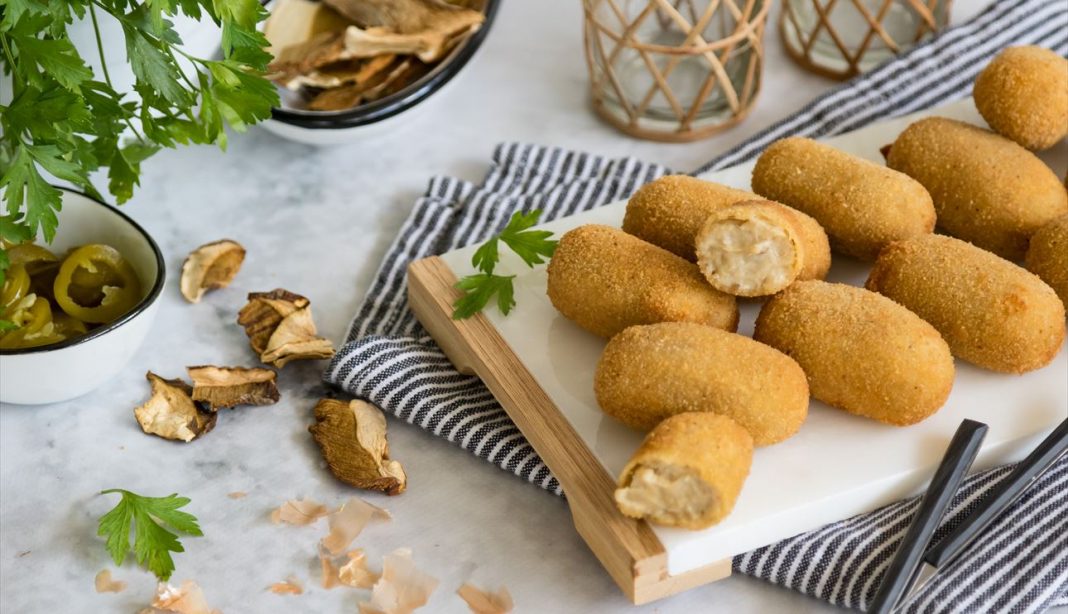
402 587
210 266
171 413
280 328
185 599
220 387
485 602
352 439
106 584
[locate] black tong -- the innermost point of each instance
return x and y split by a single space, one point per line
916 560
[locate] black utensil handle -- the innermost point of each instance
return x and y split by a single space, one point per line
1008 490
947 478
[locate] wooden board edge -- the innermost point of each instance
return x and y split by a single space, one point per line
628 549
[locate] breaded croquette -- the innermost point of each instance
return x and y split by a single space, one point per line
648 373
987 189
688 472
991 312
863 206
1023 95
757 248
668 212
861 351
1047 256
605 280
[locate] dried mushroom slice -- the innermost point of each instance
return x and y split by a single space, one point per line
220 387
352 439
171 413
410 16
280 328
210 266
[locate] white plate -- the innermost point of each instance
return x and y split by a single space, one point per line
838 465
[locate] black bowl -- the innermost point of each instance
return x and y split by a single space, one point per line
398 102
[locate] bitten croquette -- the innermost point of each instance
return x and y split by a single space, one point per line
605 280
688 472
991 312
669 211
757 248
861 351
649 373
861 205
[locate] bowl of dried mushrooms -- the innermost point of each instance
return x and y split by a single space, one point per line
343 66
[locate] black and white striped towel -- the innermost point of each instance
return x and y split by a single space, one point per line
388 358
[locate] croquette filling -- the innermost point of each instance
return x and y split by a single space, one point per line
747 257
666 493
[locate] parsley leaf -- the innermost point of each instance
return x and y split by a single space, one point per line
150 517
478 290
533 246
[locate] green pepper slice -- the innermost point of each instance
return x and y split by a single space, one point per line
120 290
33 316
16 285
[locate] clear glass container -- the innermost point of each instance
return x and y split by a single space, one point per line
843 38
674 70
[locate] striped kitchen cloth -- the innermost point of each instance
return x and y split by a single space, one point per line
1021 565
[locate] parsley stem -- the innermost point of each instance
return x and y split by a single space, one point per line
100 45
104 66
16 78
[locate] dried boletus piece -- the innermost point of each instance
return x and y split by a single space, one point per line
220 387
352 438
280 328
171 413
210 266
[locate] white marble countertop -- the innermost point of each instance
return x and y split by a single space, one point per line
317 221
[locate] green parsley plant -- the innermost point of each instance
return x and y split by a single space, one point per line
67 121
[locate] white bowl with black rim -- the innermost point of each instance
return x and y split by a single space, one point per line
71 368
379 116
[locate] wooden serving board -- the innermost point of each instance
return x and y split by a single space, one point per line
540 366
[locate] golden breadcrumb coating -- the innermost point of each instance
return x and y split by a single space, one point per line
1047 256
991 312
1023 95
648 373
758 247
987 189
861 351
688 471
669 211
863 206
605 280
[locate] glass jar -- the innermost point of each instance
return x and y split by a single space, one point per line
843 38
674 70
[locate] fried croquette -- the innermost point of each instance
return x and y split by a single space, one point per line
861 351
605 280
863 206
688 471
991 312
1023 95
757 248
670 211
1047 256
648 373
987 189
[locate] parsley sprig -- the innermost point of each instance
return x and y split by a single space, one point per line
150 517
533 246
66 120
